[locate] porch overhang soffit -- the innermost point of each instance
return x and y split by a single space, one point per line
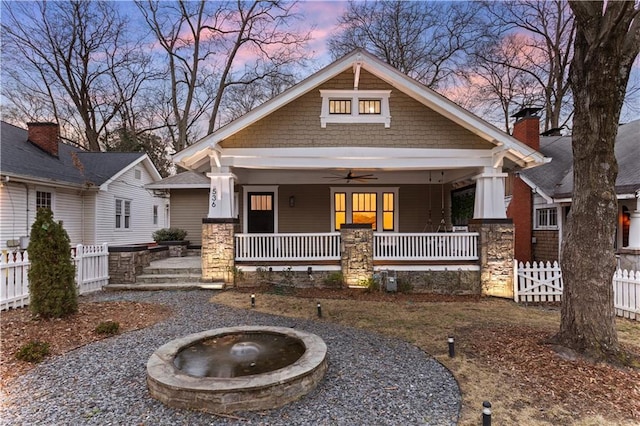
361 158
524 156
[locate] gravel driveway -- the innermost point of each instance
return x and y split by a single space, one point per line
371 380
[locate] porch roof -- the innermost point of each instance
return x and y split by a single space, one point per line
207 149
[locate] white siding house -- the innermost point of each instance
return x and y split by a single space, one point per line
80 187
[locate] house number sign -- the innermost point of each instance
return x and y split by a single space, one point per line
214 196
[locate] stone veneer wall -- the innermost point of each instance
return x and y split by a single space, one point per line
440 282
496 255
281 276
218 253
125 262
356 253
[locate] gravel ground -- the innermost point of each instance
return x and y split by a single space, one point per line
371 379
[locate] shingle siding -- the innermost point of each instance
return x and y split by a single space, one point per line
297 124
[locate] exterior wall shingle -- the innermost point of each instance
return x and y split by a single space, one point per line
297 124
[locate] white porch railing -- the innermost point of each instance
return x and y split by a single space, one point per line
425 246
288 247
92 272
539 282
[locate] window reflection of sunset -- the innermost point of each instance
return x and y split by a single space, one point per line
364 208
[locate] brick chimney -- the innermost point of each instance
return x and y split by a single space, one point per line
527 127
527 130
45 136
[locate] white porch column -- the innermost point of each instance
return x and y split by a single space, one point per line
489 201
634 225
221 197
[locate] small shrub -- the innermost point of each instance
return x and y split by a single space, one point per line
34 351
371 285
108 327
405 286
335 279
169 234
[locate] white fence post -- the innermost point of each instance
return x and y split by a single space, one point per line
539 282
77 260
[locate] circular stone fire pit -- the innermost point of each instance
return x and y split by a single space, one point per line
195 371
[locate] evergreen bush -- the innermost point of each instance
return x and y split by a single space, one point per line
169 234
108 328
34 351
52 287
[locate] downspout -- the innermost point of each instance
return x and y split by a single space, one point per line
26 187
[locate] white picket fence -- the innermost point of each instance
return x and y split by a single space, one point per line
540 282
92 272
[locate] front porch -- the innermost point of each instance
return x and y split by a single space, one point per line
449 263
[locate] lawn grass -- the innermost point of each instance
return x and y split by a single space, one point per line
481 377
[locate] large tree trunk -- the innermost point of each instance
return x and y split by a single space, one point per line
599 74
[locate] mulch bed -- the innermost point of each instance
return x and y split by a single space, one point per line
582 386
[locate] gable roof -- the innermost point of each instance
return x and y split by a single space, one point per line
513 149
188 179
22 159
555 179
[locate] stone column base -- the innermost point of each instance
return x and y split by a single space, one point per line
356 254
218 250
496 255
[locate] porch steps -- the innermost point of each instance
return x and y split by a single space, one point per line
182 273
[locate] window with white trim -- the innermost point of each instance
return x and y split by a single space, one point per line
547 218
155 215
355 106
43 200
123 214
377 206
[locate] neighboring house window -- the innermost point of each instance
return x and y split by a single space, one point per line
338 106
155 215
43 200
377 206
547 218
123 214
138 174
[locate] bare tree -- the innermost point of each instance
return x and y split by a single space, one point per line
211 46
606 44
242 98
546 57
495 89
264 30
70 55
425 40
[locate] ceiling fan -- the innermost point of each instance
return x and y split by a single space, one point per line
351 176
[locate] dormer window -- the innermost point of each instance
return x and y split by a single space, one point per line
338 106
369 106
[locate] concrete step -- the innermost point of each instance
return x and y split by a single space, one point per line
171 271
161 278
165 286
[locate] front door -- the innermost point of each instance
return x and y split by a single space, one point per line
260 216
